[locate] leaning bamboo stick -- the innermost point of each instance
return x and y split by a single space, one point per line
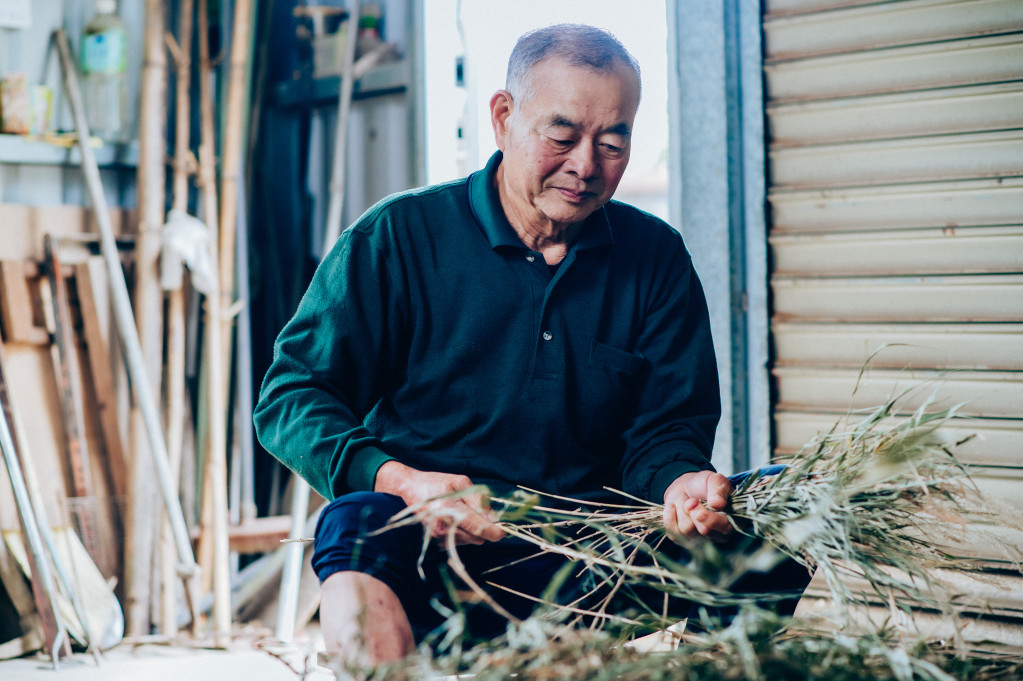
122 311
231 158
216 456
140 520
176 300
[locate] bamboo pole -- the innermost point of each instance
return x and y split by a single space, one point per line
231 157
230 184
140 520
234 235
246 507
176 300
215 504
337 177
183 108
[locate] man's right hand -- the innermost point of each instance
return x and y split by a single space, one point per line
471 512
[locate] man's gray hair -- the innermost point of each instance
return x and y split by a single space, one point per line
576 44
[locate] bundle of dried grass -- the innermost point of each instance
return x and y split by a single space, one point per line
860 501
880 500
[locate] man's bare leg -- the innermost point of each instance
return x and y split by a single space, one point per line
362 621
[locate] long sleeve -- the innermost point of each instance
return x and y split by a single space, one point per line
678 399
332 362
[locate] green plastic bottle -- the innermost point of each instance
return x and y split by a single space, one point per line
104 83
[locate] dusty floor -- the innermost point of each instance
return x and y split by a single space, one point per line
244 660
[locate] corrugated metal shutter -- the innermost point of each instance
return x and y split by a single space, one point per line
896 210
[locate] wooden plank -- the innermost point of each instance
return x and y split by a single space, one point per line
102 373
24 226
54 640
31 385
16 310
256 535
70 393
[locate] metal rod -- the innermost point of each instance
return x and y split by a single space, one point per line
123 313
287 606
32 536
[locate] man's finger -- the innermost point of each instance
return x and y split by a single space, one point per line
477 524
463 537
711 522
678 523
719 490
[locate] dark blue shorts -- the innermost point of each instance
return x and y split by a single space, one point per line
422 580
429 591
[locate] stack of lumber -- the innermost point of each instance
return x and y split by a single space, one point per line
60 383
126 500
67 402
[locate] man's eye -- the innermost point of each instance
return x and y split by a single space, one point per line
560 143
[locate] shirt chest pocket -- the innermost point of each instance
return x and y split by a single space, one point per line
608 394
612 359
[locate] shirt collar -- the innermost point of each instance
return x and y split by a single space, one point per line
486 207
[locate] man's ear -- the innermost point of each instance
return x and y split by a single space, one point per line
501 107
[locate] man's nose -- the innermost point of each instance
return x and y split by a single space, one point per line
583 161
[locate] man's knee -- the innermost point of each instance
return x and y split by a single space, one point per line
363 621
349 537
361 511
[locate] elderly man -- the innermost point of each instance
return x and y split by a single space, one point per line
516 327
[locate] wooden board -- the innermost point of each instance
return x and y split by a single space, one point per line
89 279
17 307
24 226
33 390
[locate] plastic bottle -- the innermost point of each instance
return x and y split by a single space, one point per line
104 59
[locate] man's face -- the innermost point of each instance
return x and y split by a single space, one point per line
567 145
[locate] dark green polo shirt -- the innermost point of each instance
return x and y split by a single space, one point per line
430 334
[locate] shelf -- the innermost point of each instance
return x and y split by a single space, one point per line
386 79
20 150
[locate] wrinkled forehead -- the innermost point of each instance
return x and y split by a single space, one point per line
555 75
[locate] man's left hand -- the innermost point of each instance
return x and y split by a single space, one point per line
687 516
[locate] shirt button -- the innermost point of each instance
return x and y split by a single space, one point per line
547 335
530 258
